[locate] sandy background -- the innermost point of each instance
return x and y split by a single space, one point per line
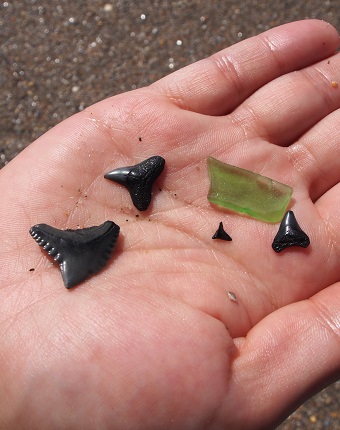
59 56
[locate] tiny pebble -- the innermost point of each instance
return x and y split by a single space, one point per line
313 419
232 296
108 7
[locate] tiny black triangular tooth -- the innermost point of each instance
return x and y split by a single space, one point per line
221 233
82 252
289 234
138 179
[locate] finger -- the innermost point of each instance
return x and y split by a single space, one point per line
284 109
294 352
216 85
316 156
328 207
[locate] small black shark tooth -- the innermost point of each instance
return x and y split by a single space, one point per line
80 253
289 234
138 179
221 233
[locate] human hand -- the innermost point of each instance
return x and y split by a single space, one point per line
152 341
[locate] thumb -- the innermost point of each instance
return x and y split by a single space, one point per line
289 356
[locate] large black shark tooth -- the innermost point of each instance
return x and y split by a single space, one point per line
221 233
289 234
80 253
138 179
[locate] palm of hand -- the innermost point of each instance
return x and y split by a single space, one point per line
153 341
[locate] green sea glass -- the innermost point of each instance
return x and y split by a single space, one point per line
244 191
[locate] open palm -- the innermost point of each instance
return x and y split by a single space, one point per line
153 341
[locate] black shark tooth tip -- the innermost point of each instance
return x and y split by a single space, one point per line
80 253
138 179
289 234
221 233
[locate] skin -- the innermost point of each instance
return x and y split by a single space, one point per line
153 341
